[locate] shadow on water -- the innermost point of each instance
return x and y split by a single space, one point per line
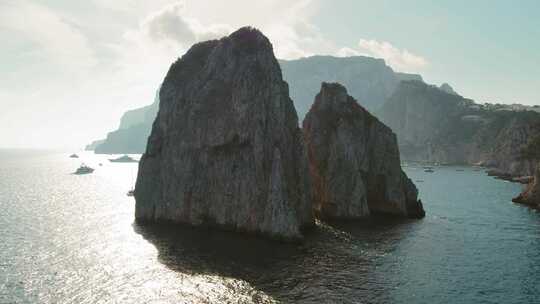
335 262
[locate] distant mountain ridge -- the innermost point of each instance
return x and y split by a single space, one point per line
369 80
433 125
132 134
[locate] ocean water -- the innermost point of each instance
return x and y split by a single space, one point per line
68 238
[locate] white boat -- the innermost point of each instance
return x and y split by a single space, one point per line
123 159
84 169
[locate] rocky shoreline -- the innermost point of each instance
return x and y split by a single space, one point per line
531 194
440 127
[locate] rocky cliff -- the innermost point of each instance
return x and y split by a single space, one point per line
132 134
354 160
531 194
433 125
92 146
445 87
138 116
225 148
370 80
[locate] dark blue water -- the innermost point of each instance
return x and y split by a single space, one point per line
71 239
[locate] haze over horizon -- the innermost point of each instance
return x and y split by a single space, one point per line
69 75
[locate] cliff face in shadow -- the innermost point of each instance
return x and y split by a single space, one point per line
133 132
92 146
369 80
433 125
225 148
354 160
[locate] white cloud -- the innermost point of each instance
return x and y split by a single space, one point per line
402 60
57 40
171 23
179 25
347 52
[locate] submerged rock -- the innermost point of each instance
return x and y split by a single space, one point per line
354 160
531 195
225 148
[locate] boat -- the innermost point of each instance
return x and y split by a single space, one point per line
84 169
74 156
429 170
130 192
123 159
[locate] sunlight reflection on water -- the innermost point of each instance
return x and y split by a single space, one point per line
71 239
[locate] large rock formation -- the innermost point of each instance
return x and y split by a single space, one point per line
369 80
354 160
531 195
433 125
225 148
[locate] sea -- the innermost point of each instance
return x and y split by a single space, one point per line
67 238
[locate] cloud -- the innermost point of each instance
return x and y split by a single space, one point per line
347 52
402 60
56 39
181 24
172 25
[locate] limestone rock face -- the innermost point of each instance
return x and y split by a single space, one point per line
531 195
435 126
368 79
445 87
225 149
354 160
133 132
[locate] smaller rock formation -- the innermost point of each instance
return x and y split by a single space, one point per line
354 161
531 195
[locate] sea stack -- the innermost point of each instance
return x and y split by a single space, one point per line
354 161
531 195
225 149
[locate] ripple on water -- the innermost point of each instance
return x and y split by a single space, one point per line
71 239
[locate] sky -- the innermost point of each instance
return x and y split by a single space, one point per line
70 69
